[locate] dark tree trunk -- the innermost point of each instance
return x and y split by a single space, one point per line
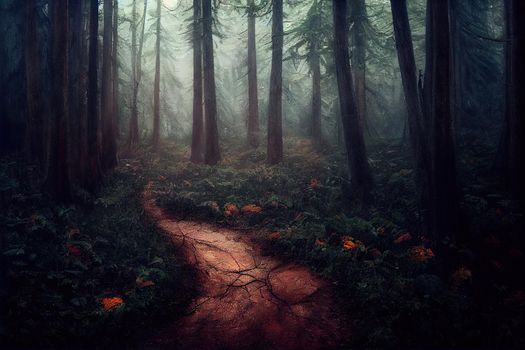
429 64
35 146
316 130
115 66
136 58
407 64
444 203
515 92
211 150
253 99
109 143
197 139
275 100
358 19
353 133
93 169
75 92
57 177
156 87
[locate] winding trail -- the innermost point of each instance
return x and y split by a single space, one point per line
247 300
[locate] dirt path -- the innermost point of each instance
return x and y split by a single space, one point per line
247 301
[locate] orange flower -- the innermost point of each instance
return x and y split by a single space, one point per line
320 243
403 238
275 235
111 303
420 254
73 249
351 244
314 183
251 208
231 209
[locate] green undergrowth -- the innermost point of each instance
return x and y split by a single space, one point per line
61 263
302 210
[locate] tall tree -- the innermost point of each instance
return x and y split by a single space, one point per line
57 177
211 148
358 19
444 191
407 64
275 100
353 132
515 90
136 62
253 99
197 138
35 121
109 143
156 87
115 67
93 168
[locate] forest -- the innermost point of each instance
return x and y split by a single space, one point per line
262 174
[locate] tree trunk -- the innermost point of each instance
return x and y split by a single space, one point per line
57 177
444 187
197 139
115 66
275 100
358 19
35 146
253 99
515 91
156 88
109 143
353 133
429 64
136 58
211 151
93 171
407 65
316 129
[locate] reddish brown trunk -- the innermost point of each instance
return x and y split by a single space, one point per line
197 146
275 100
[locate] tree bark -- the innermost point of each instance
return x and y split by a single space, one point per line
407 65
156 87
109 143
57 177
515 91
358 18
136 58
115 67
197 139
353 133
275 100
35 146
211 150
316 129
444 186
93 170
253 99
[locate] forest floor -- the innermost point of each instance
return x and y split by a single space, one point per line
168 253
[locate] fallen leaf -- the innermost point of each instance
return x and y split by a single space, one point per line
314 183
320 243
275 235
403 238
420 254
350 244
73 249
111 303
142 283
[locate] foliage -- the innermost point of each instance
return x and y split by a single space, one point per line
91 274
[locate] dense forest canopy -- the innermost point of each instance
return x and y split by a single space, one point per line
357 162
